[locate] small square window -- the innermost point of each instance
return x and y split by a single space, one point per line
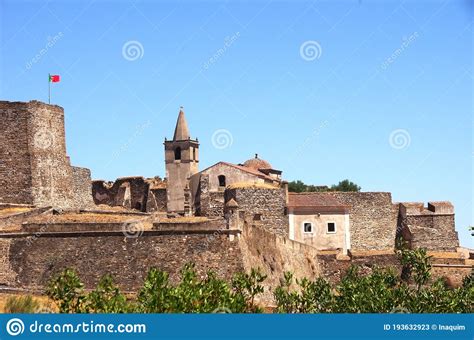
331 227
308 227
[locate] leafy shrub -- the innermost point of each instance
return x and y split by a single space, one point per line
380 292
157 295
67 290
313 296
106 298
417 264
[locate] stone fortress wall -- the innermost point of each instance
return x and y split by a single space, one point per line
35 170
431 227
34 167
373 219
28 261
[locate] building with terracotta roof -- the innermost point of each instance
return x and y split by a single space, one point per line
320 220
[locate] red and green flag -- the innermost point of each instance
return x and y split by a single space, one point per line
54 78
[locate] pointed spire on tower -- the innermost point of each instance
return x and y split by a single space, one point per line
181 132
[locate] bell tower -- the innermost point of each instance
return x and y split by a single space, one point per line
182 161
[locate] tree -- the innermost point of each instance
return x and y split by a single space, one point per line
346 185
296 186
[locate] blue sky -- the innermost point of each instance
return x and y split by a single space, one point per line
380 93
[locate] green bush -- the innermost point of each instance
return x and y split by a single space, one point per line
157 295
67 290
381 291
106 298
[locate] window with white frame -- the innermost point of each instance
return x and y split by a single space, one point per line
331 227
307 227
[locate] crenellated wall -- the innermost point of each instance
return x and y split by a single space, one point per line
432 228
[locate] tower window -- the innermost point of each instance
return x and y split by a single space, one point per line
177 153
331 227
221 180
194 153
307 227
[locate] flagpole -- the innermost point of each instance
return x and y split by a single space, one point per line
49 88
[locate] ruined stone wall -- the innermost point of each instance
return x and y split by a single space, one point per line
156 200
82 188
114 195
30 262
263 206
206 202
373 219
275 255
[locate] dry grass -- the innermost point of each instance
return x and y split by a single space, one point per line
45 302
11 211
86 218
190 219
244 185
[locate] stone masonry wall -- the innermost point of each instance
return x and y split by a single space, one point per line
15 169
34 167
206 202
30 262
156 200
433 232
373 219
274 255
262 206
113 195
52 181
82 188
